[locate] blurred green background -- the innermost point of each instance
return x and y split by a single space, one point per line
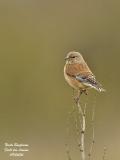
35 99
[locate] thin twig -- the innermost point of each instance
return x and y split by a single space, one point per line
104 153
83 127
70 114
93 135
77 133
68 152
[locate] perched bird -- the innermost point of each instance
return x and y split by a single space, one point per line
78 75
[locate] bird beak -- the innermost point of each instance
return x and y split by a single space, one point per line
66 58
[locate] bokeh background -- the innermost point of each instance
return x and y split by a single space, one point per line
34 97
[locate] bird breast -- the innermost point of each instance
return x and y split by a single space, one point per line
72 81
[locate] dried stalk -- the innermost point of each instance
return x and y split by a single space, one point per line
68 152
93 135
83 127
104 153
70 114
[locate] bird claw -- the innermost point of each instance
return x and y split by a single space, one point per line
84 91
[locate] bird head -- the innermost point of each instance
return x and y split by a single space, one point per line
73 57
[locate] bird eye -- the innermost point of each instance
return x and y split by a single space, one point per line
73 57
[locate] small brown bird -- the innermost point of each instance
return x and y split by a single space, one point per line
78 75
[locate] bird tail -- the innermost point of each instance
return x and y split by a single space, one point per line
102 90
98 87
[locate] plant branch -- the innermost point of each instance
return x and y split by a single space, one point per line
83 127
93 135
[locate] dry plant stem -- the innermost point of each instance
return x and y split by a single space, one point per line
68 152
93 135
83 127
77 132
104 153
70 114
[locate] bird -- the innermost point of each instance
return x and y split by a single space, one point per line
79 76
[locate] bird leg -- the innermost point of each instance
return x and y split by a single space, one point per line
77 96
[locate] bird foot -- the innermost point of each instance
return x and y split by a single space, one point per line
84 91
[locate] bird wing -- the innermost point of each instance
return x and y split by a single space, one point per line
90 80
83 74
87 79
77 69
